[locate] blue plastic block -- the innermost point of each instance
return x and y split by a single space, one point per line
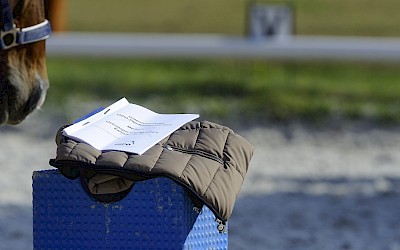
156 214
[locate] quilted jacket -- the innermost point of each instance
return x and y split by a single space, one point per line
209 160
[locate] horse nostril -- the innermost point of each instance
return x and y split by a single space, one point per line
34 99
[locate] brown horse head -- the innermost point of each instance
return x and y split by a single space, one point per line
23 73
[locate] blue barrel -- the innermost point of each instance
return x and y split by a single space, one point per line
156 214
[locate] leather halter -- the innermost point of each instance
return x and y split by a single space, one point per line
11 36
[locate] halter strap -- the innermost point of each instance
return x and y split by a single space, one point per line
11 36
6 15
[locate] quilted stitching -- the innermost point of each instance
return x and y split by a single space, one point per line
207 177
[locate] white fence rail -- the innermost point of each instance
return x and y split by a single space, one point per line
73 44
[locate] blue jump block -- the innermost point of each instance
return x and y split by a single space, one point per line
156 214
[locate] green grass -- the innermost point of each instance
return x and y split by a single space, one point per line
321 17
232 90
237 90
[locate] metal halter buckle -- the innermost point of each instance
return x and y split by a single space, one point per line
9 38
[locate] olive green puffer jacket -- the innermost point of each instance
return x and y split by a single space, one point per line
209 160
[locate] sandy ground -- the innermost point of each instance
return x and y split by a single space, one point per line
331 188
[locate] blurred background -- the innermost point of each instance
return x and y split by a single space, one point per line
298 82
313 85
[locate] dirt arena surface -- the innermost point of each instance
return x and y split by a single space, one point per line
307 188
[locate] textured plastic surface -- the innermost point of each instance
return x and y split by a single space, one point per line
156 214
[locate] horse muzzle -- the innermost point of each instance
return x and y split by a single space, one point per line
16 104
